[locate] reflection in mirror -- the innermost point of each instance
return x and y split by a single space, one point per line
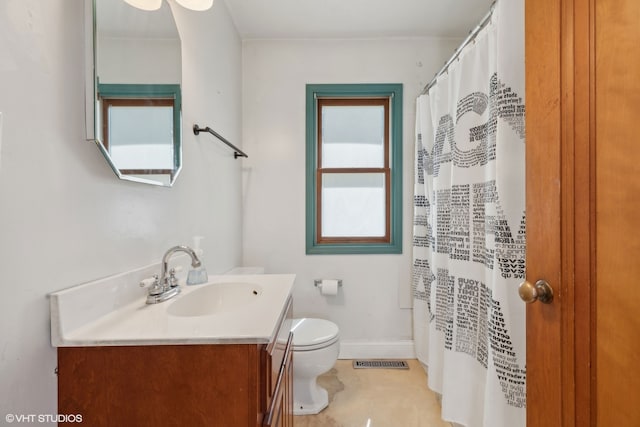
138 97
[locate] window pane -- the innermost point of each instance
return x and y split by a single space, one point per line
353 205
352 136
141 137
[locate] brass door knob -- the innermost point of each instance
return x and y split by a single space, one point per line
541 291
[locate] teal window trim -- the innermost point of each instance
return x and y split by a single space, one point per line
394 93
142 91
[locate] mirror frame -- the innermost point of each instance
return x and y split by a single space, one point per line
133 91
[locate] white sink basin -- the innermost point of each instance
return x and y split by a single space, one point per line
216 298
229 309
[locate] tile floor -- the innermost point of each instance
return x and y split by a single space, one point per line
376 398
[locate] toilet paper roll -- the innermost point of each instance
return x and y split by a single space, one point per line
329 287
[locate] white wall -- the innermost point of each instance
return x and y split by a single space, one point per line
64 216
368 308
135 60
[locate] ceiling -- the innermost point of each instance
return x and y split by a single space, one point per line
274 19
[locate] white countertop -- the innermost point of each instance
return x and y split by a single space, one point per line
113 312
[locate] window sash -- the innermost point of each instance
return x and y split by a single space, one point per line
385 170
108 102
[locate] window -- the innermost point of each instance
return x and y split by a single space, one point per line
140 129
354 168
138 134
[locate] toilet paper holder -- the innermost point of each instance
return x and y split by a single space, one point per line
318 282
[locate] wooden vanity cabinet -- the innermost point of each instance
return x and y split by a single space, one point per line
225 385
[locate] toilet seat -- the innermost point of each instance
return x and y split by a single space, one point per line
313 334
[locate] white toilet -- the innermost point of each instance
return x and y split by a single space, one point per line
315 351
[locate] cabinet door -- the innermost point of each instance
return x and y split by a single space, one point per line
276 355
197 385
281 409
287 401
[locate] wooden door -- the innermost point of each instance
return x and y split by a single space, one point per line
583 200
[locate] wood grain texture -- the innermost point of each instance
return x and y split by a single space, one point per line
543 184
578 213
617 207
580 410
161 385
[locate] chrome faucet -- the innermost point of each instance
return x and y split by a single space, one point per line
163 287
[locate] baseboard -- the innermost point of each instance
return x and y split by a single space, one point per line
403 349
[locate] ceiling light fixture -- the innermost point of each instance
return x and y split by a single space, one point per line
196 4
156 4
145 4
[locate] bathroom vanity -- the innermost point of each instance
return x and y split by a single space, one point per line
229 364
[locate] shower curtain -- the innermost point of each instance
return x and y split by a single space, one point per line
469 228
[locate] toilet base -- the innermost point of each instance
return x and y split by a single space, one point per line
316 400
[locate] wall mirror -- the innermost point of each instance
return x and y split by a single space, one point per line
135 86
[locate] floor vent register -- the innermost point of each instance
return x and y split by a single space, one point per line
380 364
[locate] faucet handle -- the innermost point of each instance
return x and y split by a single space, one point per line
149 281
173 280
153 283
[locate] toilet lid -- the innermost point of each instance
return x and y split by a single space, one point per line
313 332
